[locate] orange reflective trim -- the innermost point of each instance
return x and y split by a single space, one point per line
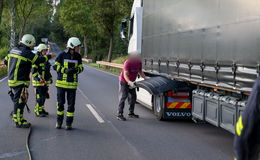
180 105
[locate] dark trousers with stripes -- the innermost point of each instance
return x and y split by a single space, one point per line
18 104
61 98
41 92
126 93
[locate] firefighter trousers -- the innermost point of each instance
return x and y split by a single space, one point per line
18 104
61 98
41 92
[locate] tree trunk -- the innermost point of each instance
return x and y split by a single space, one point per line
1 9
13 24
109 57
85 47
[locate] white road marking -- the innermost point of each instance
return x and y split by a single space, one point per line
92 108
3 79
94 112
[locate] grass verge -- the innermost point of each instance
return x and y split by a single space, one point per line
112 70
115 71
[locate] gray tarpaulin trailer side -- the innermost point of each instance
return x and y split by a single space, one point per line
214 42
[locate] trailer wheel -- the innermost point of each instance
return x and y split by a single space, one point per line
158 107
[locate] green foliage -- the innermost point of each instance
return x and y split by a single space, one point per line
31 14
95 22
3 52
78 21
3 71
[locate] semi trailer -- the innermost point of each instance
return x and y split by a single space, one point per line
203 57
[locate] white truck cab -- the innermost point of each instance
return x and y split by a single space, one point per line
135 28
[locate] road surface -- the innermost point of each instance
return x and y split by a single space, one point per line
98 135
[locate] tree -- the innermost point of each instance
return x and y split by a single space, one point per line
1 9
30 11
78 22
105 15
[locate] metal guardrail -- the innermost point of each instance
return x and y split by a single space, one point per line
114 65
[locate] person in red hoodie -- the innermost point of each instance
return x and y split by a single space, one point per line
132 67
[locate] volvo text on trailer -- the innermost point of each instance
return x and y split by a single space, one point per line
203 56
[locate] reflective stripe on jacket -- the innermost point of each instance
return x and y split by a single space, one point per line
41 72
19 62
68 61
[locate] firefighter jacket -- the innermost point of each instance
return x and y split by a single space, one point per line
41 72
19 62
247 139
68 66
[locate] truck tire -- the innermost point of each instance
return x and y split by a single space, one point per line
158 107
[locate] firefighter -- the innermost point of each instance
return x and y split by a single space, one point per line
247 140
19 62
68 65
41 81
132 67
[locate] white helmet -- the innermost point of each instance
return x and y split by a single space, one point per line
41 47
73 42
28 40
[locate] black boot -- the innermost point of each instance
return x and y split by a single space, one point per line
59 122
19 121
23 124
132 115
121 117
69 121
44 112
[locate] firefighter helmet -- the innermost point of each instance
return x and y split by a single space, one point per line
41 47
73 42
28 40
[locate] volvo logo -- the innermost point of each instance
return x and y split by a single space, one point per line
178 114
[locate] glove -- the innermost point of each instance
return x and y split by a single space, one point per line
75 70
69 71
43 81
131 84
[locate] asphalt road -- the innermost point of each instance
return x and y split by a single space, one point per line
105 137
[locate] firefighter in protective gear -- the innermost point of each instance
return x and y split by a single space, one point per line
42 79
247 138
68 65
19 62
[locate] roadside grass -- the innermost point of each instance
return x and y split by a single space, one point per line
112 70
115 71
120 60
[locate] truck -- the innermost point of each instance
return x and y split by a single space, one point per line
203 57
